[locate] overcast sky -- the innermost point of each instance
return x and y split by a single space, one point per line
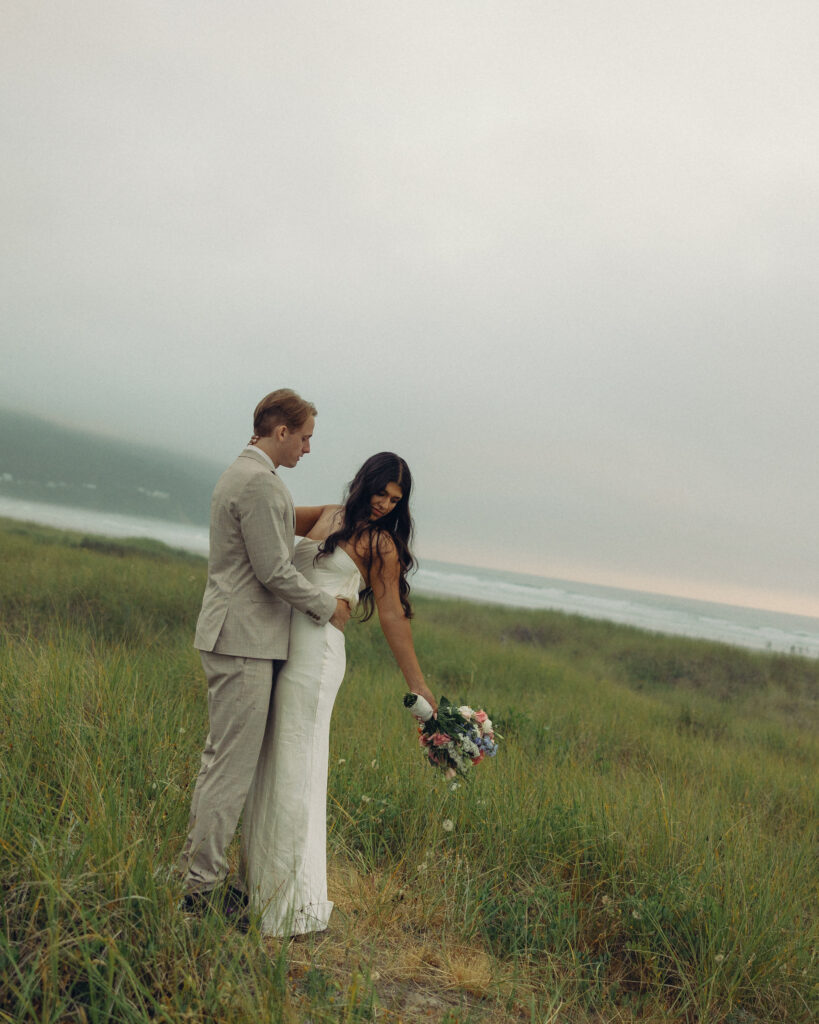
561 256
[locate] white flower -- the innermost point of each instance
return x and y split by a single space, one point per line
365 799
719 957
460 761
447 824
374 763
342 760
486 727
466 711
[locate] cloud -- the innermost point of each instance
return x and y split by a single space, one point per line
561 258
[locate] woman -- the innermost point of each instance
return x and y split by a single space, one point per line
359 551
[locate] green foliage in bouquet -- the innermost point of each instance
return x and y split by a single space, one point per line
455 740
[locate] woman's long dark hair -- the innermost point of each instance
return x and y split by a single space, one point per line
373 477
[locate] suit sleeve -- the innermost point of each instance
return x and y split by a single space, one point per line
264 516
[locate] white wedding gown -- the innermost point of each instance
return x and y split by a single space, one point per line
284 834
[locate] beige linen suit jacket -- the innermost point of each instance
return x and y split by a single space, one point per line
252 582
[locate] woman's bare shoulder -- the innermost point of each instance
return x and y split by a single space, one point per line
376 542
328 522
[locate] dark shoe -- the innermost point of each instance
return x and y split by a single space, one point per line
236 908
232 902
195 903
234 899
228 901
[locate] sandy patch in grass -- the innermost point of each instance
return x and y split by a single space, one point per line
386 937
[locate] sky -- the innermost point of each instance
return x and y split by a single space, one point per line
562 257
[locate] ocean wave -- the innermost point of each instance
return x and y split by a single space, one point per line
744 627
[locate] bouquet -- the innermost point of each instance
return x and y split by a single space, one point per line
457 739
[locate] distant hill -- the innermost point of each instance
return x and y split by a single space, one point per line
43 461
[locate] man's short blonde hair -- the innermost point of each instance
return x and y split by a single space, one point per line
282 406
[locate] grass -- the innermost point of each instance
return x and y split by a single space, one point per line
642 849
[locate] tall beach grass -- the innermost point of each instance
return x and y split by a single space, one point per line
643 848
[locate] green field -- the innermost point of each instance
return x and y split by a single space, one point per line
643 848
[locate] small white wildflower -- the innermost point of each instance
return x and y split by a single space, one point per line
181 728
447 824
373 763
342 760
636 915
365 799
153 785
453 786
719 957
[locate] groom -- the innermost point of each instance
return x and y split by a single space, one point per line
243 630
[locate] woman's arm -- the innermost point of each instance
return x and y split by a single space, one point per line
308 516
384 577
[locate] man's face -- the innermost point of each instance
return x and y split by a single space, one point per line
297 443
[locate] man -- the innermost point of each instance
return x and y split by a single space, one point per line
244 628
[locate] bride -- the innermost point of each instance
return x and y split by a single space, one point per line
358 551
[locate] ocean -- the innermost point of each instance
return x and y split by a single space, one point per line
743 627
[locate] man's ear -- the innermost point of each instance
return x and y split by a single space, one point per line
280 432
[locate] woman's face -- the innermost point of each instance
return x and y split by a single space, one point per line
385 501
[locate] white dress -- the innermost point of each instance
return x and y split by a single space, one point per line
284 834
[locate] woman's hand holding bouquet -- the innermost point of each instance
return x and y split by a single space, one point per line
455 740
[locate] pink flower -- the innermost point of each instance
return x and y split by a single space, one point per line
481 716
440 739
423 739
